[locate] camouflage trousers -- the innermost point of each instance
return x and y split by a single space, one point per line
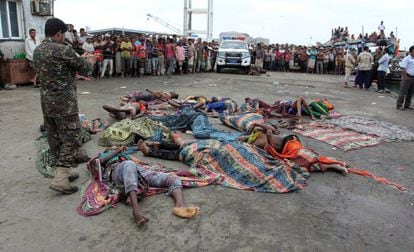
64 138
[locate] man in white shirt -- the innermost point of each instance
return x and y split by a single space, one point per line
69 35
381 27
88 46
82 37
383 63
350 62
30 44
407 81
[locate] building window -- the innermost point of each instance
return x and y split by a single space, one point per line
10 21
42 7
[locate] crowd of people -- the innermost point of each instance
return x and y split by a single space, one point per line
341 34
291 58
134 55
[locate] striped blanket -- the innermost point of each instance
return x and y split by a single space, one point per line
242 122
386 130
343 139
243 166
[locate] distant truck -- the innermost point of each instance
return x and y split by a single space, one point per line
233 53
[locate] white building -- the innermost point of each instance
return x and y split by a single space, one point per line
17 17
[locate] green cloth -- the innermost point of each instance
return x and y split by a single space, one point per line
44 161
318 109
124 132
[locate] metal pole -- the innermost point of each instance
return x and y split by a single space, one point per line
190 19
185 24
210 20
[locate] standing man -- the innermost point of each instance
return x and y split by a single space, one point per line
57 64
374 69
313 53
82 37
69 35
192 56
365 61
319 61
30 44
260 54
170 55
350 62
200 49
383 63
407 81
381 28
108 56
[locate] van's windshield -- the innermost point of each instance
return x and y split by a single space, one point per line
233 45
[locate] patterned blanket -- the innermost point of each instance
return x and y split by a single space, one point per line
242 122
387 131
98 196
243 166
343 139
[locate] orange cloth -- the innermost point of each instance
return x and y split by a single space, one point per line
294 150
376 178
290 150
141 106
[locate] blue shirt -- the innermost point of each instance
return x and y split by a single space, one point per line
313 54
408 64
383 62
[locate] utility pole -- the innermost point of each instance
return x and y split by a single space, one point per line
210 20
185 24
188 18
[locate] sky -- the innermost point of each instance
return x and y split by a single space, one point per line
282 21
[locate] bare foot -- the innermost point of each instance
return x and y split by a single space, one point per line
124 98
186 212
143 147
176 138
140 219
341 168
152 144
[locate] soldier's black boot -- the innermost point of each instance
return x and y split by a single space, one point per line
60 182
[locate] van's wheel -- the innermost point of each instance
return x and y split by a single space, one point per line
218 70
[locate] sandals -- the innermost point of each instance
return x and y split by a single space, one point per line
292 124
283 124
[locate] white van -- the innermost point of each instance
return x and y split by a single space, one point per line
233 54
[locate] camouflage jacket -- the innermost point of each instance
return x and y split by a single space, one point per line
57 65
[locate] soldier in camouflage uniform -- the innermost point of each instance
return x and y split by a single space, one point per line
57 64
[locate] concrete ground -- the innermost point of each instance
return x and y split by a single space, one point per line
332 213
